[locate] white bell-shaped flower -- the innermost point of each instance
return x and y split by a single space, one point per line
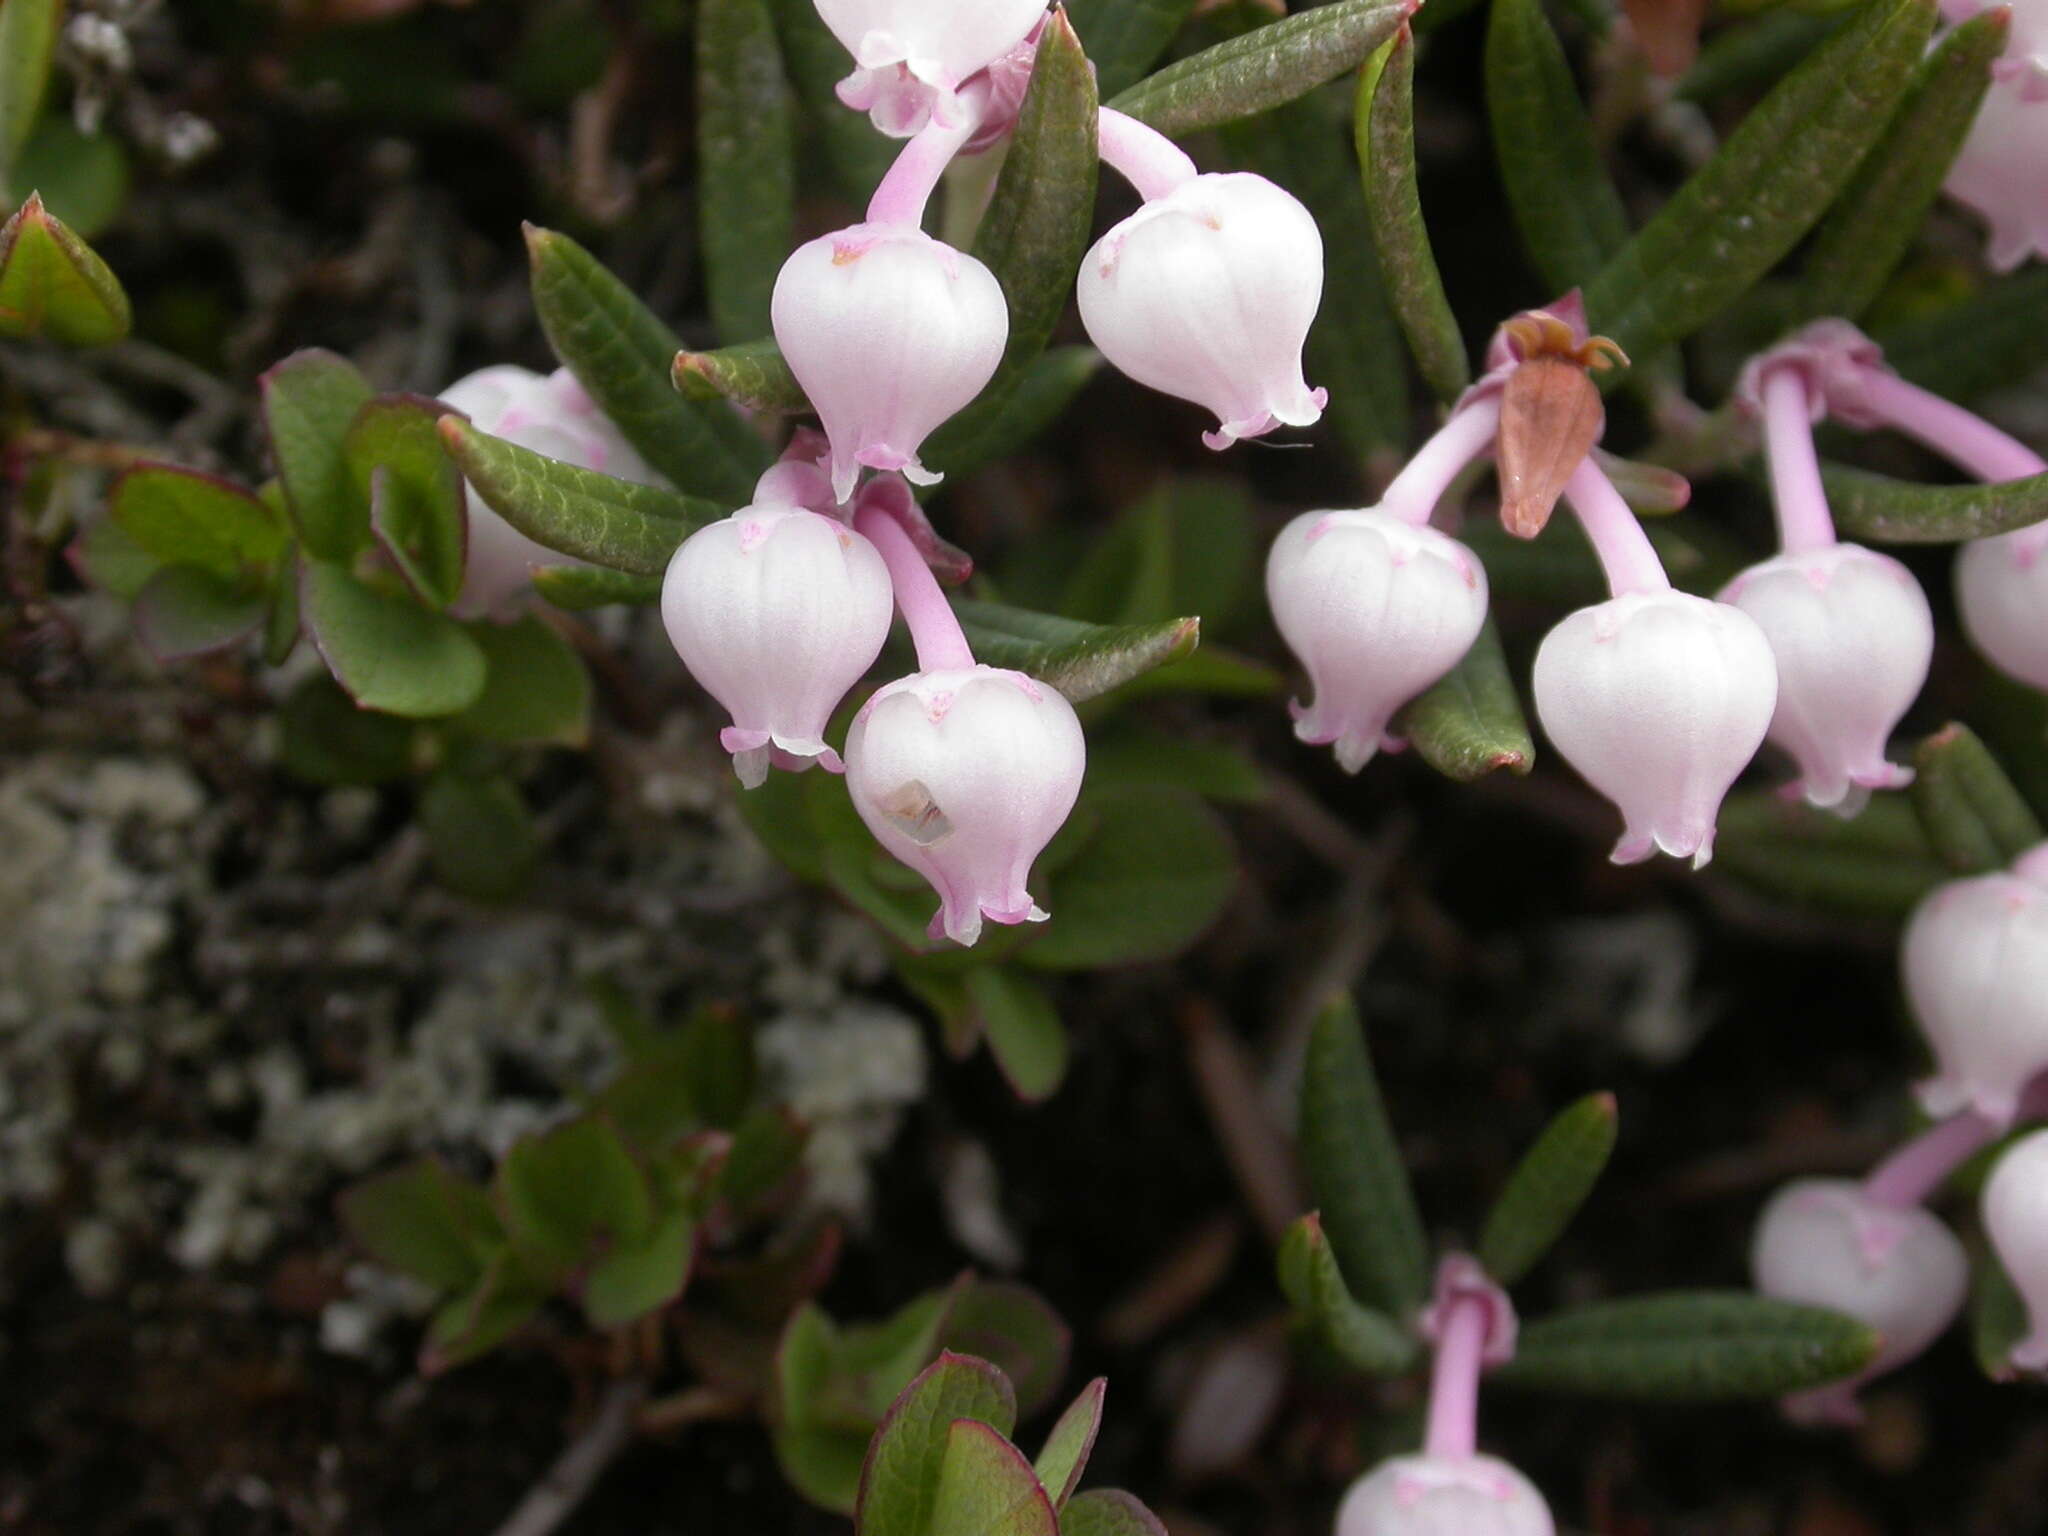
549 414
1444 1496
1377 608
912 56
777 612
2002 590
1207 293
965 776
1659 699
1975 959
2001 170
1853 636
2016 1217
889 332
1826 1243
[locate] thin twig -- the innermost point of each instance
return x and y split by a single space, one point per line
555 1497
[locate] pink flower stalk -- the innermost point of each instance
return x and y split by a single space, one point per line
2016 1217
549 414
963 772
1207 292
777 611
1828 1243
1657 697
1975 959
1850 628
1376 603
2000 171
912 56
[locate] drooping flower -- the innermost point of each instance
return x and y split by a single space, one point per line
912 56
549 414
2002 591
1975 959
2000 170
777 611
1423 1495
1826 1243
964 775
889 332
2016 1217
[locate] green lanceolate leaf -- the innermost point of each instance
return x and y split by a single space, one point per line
1262 69
900 1478
1993 338
1109 1512
1126 37
1888 511
998 425
1080 659
1067 1447
1752 57
1975 819
536 689
1998 1316
1878 864
1569 215
1861 241
985 1486
424 1221
1547 1188
309 402
183 517
1690 1346
1036 228
753 374
1765 188
607 521
1360 1337
53 284
28 37
580 587
183 611
746 161
1023 1031
1386 149
624 356
402 472
388 652
1355 1170
1470 723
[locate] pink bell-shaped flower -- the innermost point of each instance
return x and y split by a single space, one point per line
1975 958
965 775
2016 1217
1425 1495
2001 171
911 56
549 414
1826 1243
2002 590
1377 608
1659 699
889 332
777 612
1852 635
1207 293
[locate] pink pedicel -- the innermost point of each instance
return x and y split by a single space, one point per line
912 56
777 612
549 414
1975 959
1828 1243
889 332
2015 1208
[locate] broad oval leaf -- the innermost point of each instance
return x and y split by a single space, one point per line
1470 723
569 1192
325 739
899 1480
481 839
1888 511
423 1220
185 517
1023 1031
1264 68
309 402
746 162
388 652
536 688
28 38
1362 1338
1109 1512
986 1488
1975 818
52 283
1877 865
753 374
1080 659
404 475
184 611
1547 1188
1014 1329
635 1279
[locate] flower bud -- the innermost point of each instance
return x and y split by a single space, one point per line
1377 609
1826 1243
1975 958
2002 589
2000 170
912 55
1658 699
777 612
548 414
2016 1217
1852 635
1444 1496
965 776
889 332
1207 293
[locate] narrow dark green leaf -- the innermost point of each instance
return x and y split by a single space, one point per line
413 490
1994 338
183 517
859 155
52 283
536 689
998 425
1769 183
1877 865
624 356
609 522
1263 69
1355 1170
1974 817
309 401
28 37
753 374
1752 57
1690 1346
1067 1447
1023 1031
1126 37
1471 724
1887 511
388 652
1080 659
580 587
1566 209
1385 127
1360 1337
746 162
183 611
1998 1315
1547 1188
